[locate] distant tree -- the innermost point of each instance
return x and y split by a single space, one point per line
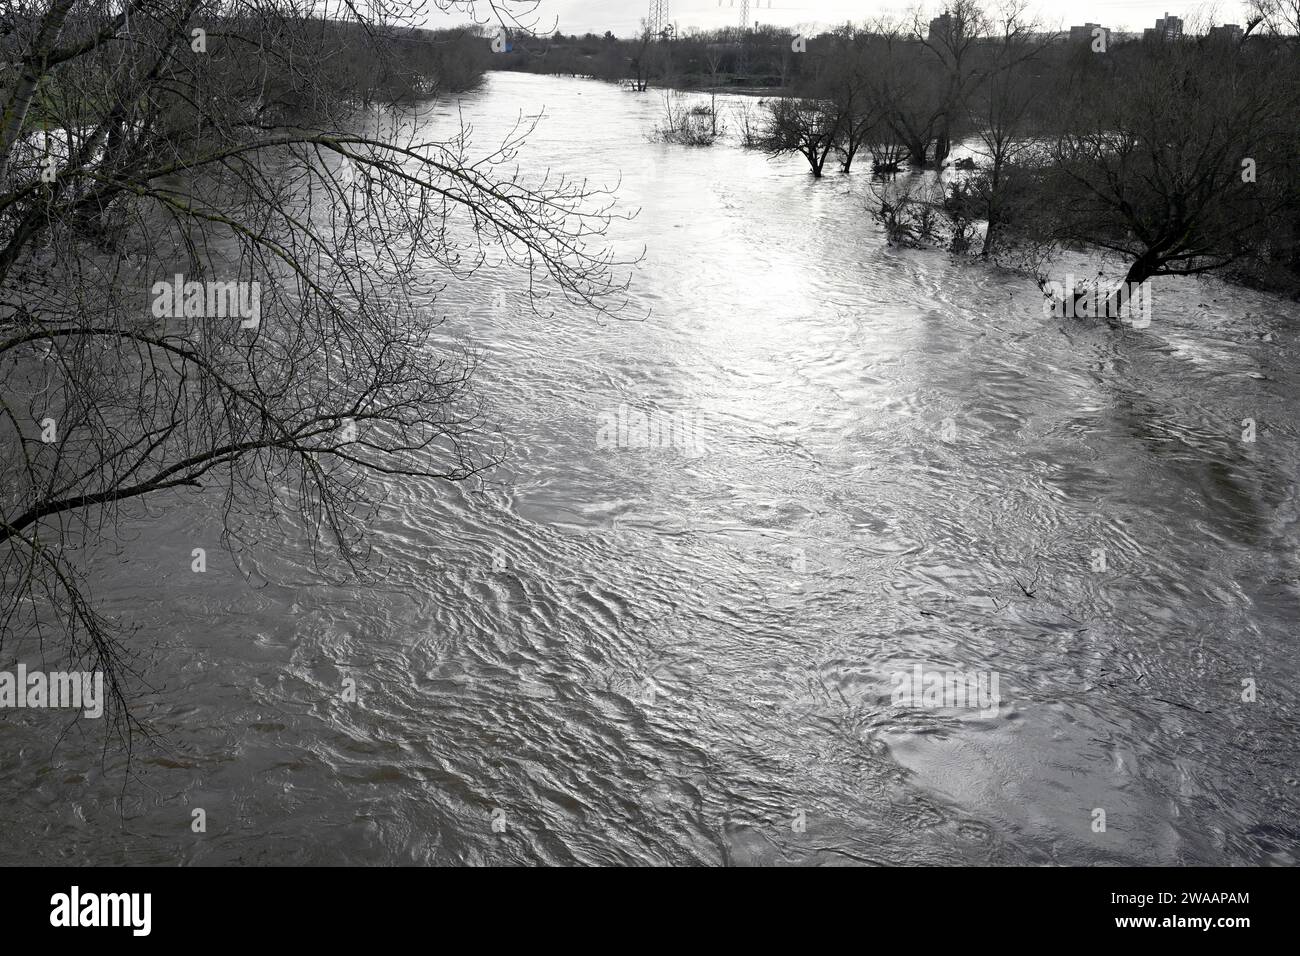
909 89
714 55
684 125
1277 18
807 127
641 59
1002 112
847 81
1176 162
956 48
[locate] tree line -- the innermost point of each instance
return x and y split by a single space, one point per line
1176 155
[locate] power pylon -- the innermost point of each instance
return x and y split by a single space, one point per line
658 18
742 62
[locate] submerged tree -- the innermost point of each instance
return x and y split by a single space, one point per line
809 127
847 82
909 90
686 125
1002 112
1176 161
955 45
211 278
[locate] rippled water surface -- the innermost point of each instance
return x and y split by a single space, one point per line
633 655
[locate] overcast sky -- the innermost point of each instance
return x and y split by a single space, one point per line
623 16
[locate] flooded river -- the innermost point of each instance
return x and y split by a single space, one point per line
607 653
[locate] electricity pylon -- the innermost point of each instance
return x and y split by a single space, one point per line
658 18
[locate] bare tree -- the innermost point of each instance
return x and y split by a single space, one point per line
848 82
1001 110
908 88
714 54
640 64
686 125
955 46
209 260
809 127
1168 162
1279 18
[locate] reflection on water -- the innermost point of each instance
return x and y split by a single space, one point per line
629 654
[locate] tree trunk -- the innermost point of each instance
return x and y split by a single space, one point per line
942 146
994 209
987 249
847 163
33 68
1142 269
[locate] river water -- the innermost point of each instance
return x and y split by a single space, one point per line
685 654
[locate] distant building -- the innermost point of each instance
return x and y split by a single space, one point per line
1166 28
940 26
1084 33
1229 31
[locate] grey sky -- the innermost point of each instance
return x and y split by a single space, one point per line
623 16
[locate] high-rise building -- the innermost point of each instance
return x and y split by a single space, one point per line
1085 33
1166 28
1228 31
